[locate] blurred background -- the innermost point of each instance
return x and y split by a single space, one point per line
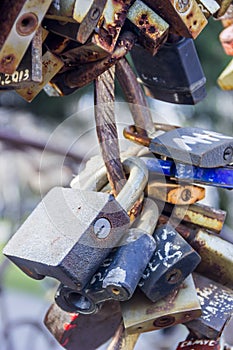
26 174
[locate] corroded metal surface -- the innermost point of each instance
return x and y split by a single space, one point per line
111 23
217 307
175 193
153 30
184 16
180 306
51 65
19 32
83 332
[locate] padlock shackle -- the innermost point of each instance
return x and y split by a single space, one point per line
148 218
130 133
134 187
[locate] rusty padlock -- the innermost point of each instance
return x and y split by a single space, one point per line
19 22
180 306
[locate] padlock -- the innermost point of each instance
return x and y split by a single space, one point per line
174 193
68 82
30 67
51 65
74 20
218 177
151 28
199 344
174 74
226 39
115 278
142 315
204 216
173 260
225 80
19 22
71 232
217 307
216 253
208 7
194 146
83 332
109 27
184 16
224 5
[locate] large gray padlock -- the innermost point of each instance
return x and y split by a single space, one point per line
71 231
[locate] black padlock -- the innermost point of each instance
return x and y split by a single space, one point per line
174 74
173 260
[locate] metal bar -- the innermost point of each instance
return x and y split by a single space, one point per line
135 97
107 130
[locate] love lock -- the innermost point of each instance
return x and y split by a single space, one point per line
217 307
71 231
180 306
184 16
174 74
18 30
193 146
173 260
118 276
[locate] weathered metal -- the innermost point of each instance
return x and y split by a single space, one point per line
173 260
73 331
180 306
19 22
217 307
152 29
184 16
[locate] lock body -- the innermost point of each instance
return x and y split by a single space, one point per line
173 260
68 236
150 27
217 306
199 344
73 331
195 146
142 315
19 22
184 17
174 74
116 278
225 80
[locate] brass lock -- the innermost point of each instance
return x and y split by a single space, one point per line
151 28
180 306
225 80
184 16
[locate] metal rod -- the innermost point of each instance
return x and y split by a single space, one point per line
135 97
107 130
87 73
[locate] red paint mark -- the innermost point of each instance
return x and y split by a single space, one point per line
69 326
73 317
